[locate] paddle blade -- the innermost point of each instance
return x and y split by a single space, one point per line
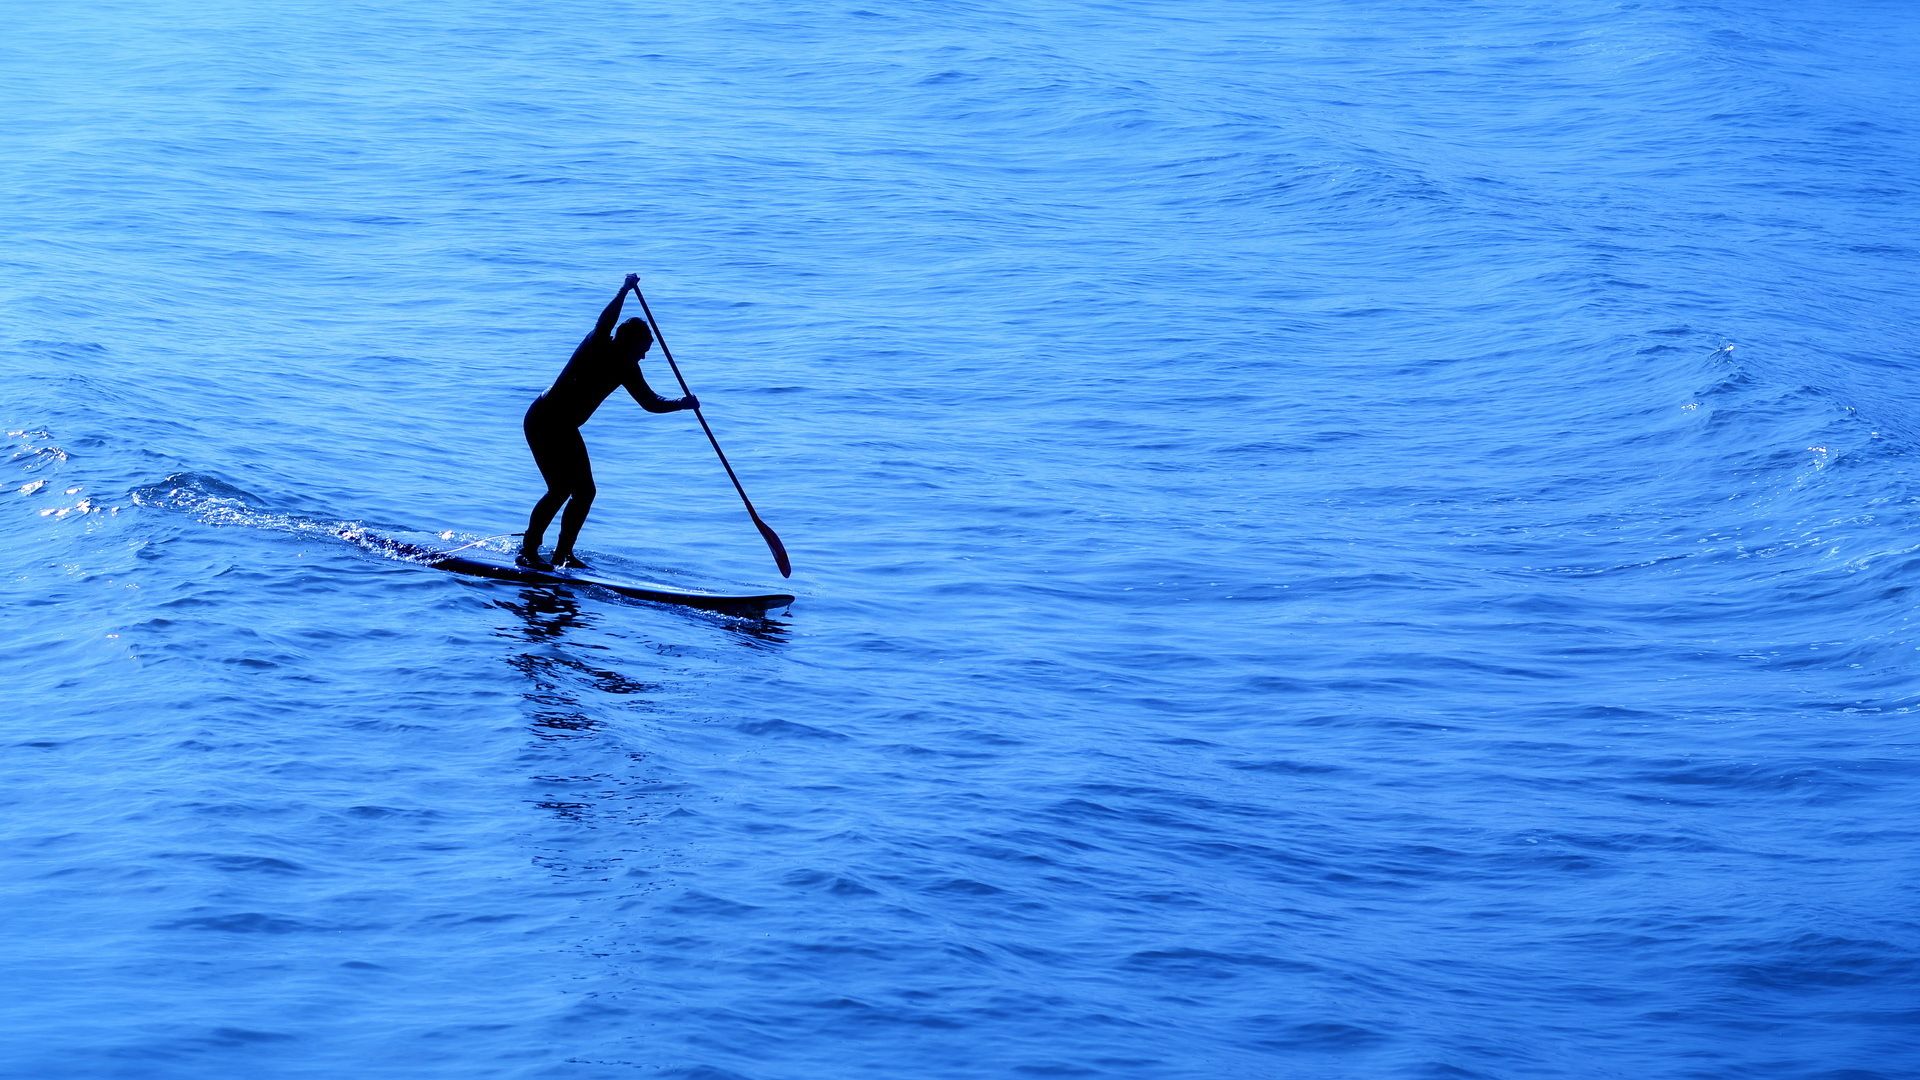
774 545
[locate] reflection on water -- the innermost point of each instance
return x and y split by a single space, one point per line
589 719
554 675
559 629
546 614
586 776
762 632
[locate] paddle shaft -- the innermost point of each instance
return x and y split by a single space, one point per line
774 545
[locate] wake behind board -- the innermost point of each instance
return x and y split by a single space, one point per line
501 567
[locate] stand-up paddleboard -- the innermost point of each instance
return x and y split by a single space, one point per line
218 503
492 564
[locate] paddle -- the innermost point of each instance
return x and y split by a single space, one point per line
773 542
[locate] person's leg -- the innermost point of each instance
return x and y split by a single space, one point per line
576 513
551 455
537 523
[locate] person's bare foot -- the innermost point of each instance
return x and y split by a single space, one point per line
568 561
531 560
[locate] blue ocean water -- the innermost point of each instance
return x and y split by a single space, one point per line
1332 540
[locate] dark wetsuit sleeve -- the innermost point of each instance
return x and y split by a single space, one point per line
604 328
636 385
601 334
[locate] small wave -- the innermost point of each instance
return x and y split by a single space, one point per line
212 500
216 502
34 449
248 922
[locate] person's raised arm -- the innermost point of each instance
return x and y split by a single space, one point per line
604 328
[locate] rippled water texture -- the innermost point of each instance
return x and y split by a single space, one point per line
1331 540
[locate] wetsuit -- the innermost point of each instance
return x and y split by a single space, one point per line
597 368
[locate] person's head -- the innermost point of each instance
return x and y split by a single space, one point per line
633 338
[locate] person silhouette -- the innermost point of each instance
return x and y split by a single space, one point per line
606 360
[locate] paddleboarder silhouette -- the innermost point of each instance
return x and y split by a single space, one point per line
607 359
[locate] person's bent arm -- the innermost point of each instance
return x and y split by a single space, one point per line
654 403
